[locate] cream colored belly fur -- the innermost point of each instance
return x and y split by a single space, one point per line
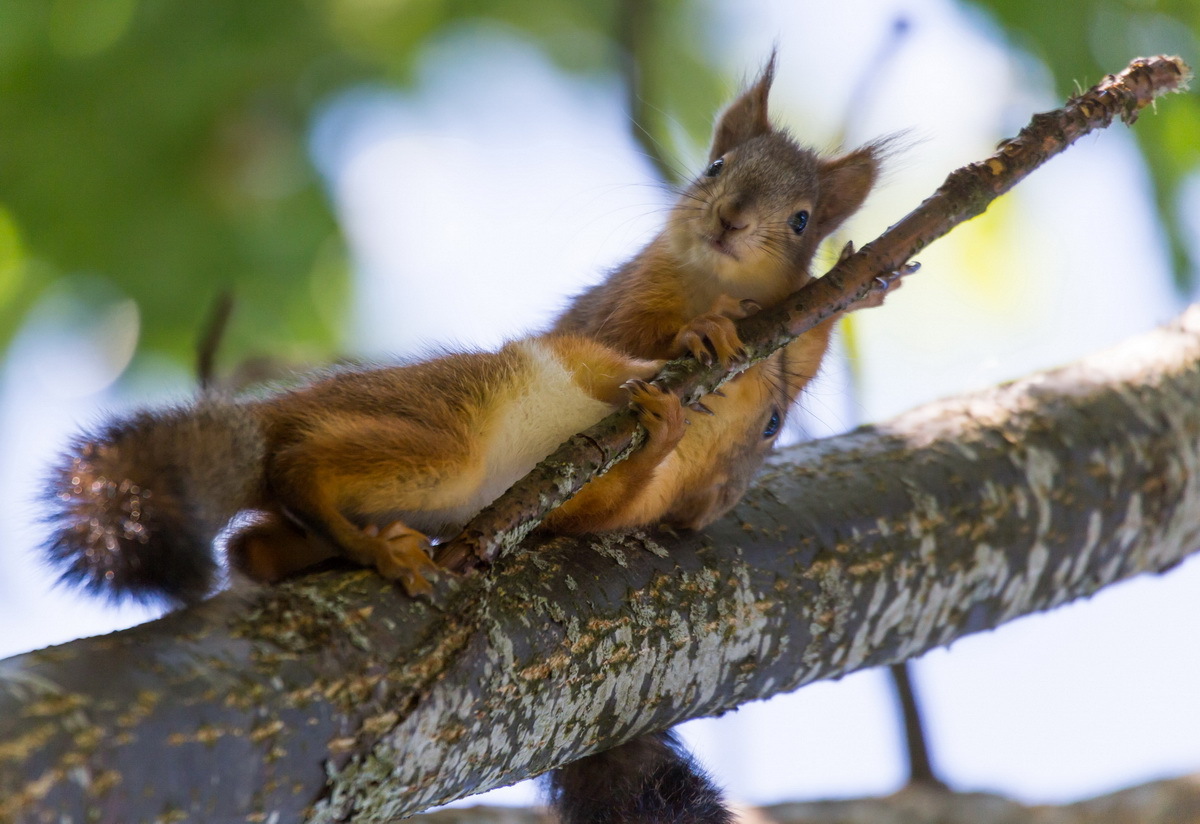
525 426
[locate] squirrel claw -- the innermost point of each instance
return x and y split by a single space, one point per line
636 387
700 407
660 412
710 338
403 556
884 283
847 251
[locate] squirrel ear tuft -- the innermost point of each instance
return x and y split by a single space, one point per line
746 117
845 183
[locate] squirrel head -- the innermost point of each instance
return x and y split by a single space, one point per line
749 416
754 217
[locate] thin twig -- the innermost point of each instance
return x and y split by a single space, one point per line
210 340
966 193
636 21
920 765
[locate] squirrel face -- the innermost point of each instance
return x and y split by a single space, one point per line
749 219
726 452
752 220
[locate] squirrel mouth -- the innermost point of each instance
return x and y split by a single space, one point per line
721 247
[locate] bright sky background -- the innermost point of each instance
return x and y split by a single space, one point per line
469 226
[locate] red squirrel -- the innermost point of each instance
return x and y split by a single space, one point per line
368 463
741 237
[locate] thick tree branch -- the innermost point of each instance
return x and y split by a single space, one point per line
332 697
965 194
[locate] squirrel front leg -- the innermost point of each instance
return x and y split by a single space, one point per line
625 496
714 333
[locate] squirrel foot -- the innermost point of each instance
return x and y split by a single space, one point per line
889 282
714 332
403 555
708 336
272 549
660 412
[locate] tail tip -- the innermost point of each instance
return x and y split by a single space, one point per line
115 538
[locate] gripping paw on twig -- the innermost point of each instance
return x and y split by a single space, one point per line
713 334
708 336
402 554
660 412
883 283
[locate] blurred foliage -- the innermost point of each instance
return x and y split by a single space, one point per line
1082 40
162 146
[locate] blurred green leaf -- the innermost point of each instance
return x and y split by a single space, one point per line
162 145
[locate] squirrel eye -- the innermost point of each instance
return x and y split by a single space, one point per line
798 221
772 428
714 168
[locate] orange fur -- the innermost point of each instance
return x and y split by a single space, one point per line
371 463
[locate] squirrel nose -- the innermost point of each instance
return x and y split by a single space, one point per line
730 217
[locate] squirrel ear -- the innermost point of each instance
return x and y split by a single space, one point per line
845 183
746 117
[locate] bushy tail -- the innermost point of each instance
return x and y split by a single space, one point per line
135 505
649 780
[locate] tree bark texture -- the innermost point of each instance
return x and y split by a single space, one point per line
333 697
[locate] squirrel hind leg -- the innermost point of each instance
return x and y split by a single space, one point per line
649 780
398 552
403 554
272 548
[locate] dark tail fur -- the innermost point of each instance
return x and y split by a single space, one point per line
649 780
135 505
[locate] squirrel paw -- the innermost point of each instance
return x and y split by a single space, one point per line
884 284
660 412
403 555
710 335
